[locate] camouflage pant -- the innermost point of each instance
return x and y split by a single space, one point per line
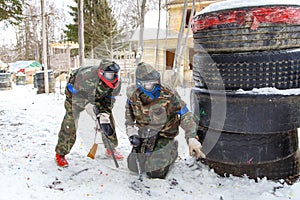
67 133
158 162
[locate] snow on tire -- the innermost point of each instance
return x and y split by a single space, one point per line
247 29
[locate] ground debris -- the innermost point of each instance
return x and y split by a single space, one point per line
77 173
292 179
173 182
16 124
140 187
54 185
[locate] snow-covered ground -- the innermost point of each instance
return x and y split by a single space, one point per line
29 124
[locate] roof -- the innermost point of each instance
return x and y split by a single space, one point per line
65 45
175 2
24 64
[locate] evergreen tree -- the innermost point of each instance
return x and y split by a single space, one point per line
72 29
11 11
100 28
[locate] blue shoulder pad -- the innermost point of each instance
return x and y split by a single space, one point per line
71 89
183 111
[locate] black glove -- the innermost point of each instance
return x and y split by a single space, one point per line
107 129
104 121
135 141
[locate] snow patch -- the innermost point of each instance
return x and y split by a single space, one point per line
232 4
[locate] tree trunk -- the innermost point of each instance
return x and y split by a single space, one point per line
44 47
81 33
141 34
166 42
187 34
157 35
176 65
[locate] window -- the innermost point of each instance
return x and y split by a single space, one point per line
188 14
170 55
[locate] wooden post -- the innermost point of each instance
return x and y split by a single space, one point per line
81 33
44 48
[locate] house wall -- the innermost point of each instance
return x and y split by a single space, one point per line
175 10
149 56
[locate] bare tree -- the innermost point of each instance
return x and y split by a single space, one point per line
176 65
157 35
129 13
187 33
28 32
141 34
111 43
81 32
166 38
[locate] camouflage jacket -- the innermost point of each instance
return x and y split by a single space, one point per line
90 89
161 114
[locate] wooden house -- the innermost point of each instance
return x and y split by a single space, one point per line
170 22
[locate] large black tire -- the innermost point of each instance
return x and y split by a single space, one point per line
280 69
247 113
235 38
274 170
242 148
240 37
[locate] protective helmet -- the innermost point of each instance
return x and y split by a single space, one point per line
148 80
108 73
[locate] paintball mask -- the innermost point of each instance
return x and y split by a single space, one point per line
148 80
108 73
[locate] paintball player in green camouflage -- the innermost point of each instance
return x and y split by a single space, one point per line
153 115
97 85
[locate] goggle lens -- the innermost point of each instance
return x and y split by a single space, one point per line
109 75
149 85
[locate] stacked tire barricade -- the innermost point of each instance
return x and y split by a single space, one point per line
247 87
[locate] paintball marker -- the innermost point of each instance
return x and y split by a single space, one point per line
96 111
138 165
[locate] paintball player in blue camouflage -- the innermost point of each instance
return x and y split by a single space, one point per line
97 85
153 115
